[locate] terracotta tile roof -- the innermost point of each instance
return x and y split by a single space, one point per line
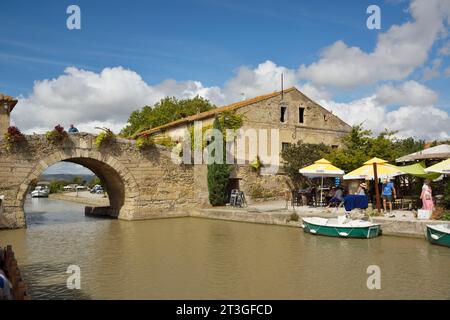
9 100
213 112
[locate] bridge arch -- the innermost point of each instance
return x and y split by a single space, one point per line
122 188
142 183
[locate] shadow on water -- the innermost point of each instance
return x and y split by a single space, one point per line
48 282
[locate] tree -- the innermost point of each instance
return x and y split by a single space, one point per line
94 181
359 146
166 110
77 180
57 186
218 175
299 155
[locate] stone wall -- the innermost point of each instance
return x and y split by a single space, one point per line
140 184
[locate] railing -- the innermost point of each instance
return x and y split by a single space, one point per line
8 263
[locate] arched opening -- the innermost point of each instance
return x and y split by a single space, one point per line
119 185
111 179
75 183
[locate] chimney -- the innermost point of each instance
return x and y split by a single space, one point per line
7 104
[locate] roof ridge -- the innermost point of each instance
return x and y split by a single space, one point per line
232 106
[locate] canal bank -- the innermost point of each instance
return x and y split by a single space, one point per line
400 224
82 198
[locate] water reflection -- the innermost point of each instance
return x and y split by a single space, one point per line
190 258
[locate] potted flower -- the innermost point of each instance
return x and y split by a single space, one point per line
256 164
105 138
13 137
57 136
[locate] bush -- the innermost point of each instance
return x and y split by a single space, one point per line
56 136
144 141
218 178
165 141
105 138
13 137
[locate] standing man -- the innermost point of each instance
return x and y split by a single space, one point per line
388 194
72 129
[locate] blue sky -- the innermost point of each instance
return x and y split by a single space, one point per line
204 40
131 53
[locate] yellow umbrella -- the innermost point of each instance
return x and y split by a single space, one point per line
384 170
441 167
321 168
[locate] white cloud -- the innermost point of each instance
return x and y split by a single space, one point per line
408 93
425 122
398 51
366 110
445 49
433 71
88 99
106 99
266 77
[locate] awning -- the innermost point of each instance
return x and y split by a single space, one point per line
418 170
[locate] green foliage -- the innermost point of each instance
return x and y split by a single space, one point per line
299 155
218 177
227 120
57 186
204 141
144 141
256 164
230 120
166 110
446 199
56 136
77 180
94 181
105 138
360 146
165 141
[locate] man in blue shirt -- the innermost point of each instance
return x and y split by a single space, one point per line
388 194
72 129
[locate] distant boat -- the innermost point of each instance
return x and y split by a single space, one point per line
40 192
439 234
341 227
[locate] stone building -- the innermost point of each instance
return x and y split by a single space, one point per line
295 116
7 104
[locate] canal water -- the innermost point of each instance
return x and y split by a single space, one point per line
191 258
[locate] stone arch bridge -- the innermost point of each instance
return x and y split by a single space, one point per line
141 184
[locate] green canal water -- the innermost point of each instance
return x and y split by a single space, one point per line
189 258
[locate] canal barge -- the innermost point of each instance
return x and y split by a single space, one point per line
341 227
439 234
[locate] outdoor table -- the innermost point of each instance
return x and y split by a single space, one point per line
355 201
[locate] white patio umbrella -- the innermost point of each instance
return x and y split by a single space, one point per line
321 168
441 167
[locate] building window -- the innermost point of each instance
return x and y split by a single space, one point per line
284 146
283 115
301 115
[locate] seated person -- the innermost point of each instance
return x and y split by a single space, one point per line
338 198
